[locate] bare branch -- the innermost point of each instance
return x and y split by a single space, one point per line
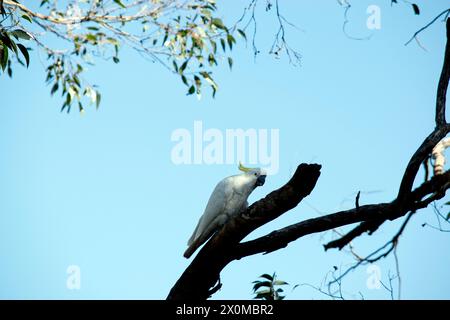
445 12
369 215
378 254
89 17
347 7
441 130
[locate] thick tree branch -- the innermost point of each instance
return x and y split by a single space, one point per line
441 95
366 214
280 238
204 270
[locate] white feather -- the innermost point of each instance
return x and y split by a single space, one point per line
228 199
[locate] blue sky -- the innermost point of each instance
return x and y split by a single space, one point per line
101 191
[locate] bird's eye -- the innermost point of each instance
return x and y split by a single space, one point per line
256 174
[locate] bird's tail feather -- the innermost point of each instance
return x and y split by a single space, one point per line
215 225
194 234
197 242
191 249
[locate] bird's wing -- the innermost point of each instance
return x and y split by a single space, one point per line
211 217
205 235
215 206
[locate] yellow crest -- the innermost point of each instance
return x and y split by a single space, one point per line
244 169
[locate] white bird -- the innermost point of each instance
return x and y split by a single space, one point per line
228 199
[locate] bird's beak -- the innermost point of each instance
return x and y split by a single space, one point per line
260 181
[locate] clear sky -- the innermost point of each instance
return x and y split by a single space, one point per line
102 192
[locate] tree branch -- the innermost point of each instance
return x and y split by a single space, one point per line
369 213
443 83
204 270
86 18
446 12
441 130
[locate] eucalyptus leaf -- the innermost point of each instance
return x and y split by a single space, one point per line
25 53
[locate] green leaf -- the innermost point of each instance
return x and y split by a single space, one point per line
265 296
21 34
222 43
64 106
120 3
24 53
4 37
230 62
261 284
218 23
116 60
166 35
416 9
175 66
265 291
91 37
280 283
68 99
191 90
266 276
183 78
212 59
230 40
260 296
213 45
76 80
210 80
54 88
242 33
198 83
4 57
27 17
97 101
183 66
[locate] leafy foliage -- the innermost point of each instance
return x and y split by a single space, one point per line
268 288
11 45
183 36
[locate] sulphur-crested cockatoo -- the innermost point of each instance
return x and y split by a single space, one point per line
228 199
